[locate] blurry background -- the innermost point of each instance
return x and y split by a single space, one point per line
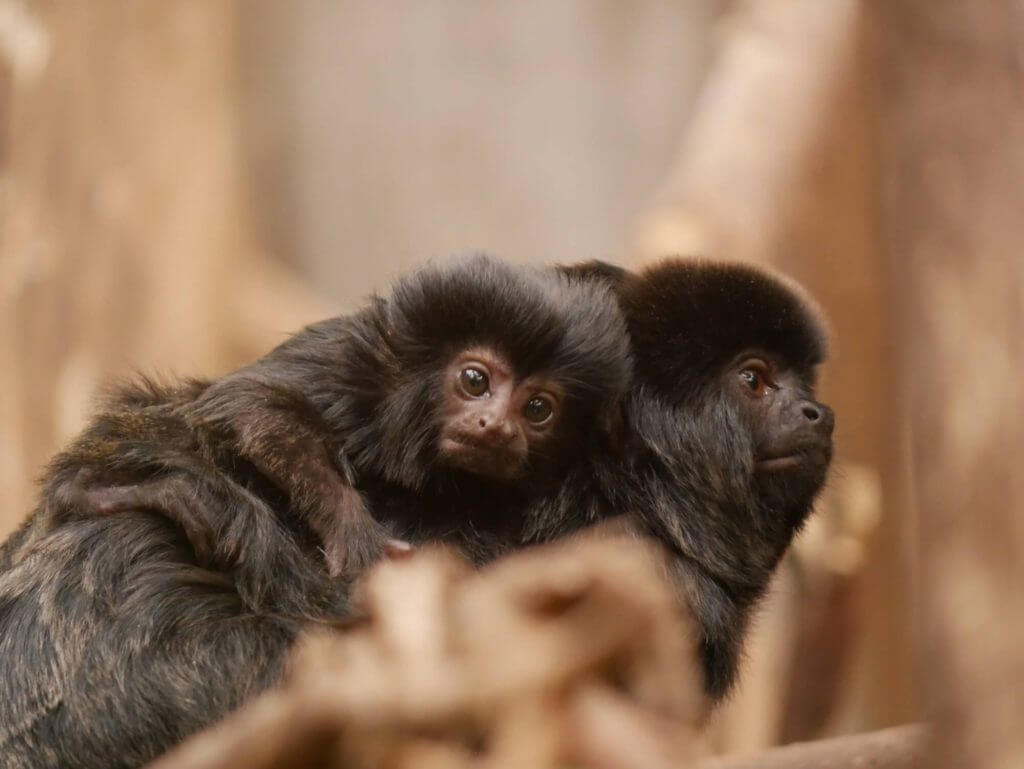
184 183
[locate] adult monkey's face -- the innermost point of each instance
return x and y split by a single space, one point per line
790 431
731 352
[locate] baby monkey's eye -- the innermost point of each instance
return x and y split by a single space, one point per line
538 410
473 381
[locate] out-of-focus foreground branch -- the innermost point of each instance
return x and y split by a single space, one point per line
571 655
901 747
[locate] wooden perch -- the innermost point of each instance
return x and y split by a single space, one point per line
569 655
576 654
902 747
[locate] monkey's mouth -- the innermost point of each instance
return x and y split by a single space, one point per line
810 456
481 458
778 464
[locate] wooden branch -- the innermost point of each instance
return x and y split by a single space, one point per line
574 654
902 747
758 122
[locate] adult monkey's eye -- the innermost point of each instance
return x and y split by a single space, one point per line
474 381
751 379
754 376
538 410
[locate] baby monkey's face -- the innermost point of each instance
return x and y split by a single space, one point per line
494 418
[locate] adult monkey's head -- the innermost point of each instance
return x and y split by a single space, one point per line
728 444
726 355
735 349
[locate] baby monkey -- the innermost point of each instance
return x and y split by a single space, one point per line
473 375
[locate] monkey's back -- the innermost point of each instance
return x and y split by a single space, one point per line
115 644
117 637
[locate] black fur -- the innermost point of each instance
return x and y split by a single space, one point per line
690 478
121 633
699 315
115 644
374 379
175 552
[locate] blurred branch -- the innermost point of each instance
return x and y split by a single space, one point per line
903 747
575 654
570 655
761 114
124 234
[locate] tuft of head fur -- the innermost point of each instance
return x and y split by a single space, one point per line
544 322
595 270
696 316
378 373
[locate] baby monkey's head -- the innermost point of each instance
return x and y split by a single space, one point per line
508 368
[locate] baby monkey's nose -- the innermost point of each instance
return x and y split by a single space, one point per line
496 429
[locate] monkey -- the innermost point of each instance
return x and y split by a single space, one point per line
512 386
727 445
507 385
190 533
688 475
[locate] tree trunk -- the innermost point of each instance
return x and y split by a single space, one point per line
952 129
123 242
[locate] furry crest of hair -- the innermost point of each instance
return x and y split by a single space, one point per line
735 307
382 367
541 320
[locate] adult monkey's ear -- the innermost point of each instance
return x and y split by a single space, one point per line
611 429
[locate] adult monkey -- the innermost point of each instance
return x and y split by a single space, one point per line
727 446
191 532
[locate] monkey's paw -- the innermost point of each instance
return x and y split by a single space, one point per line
358 544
